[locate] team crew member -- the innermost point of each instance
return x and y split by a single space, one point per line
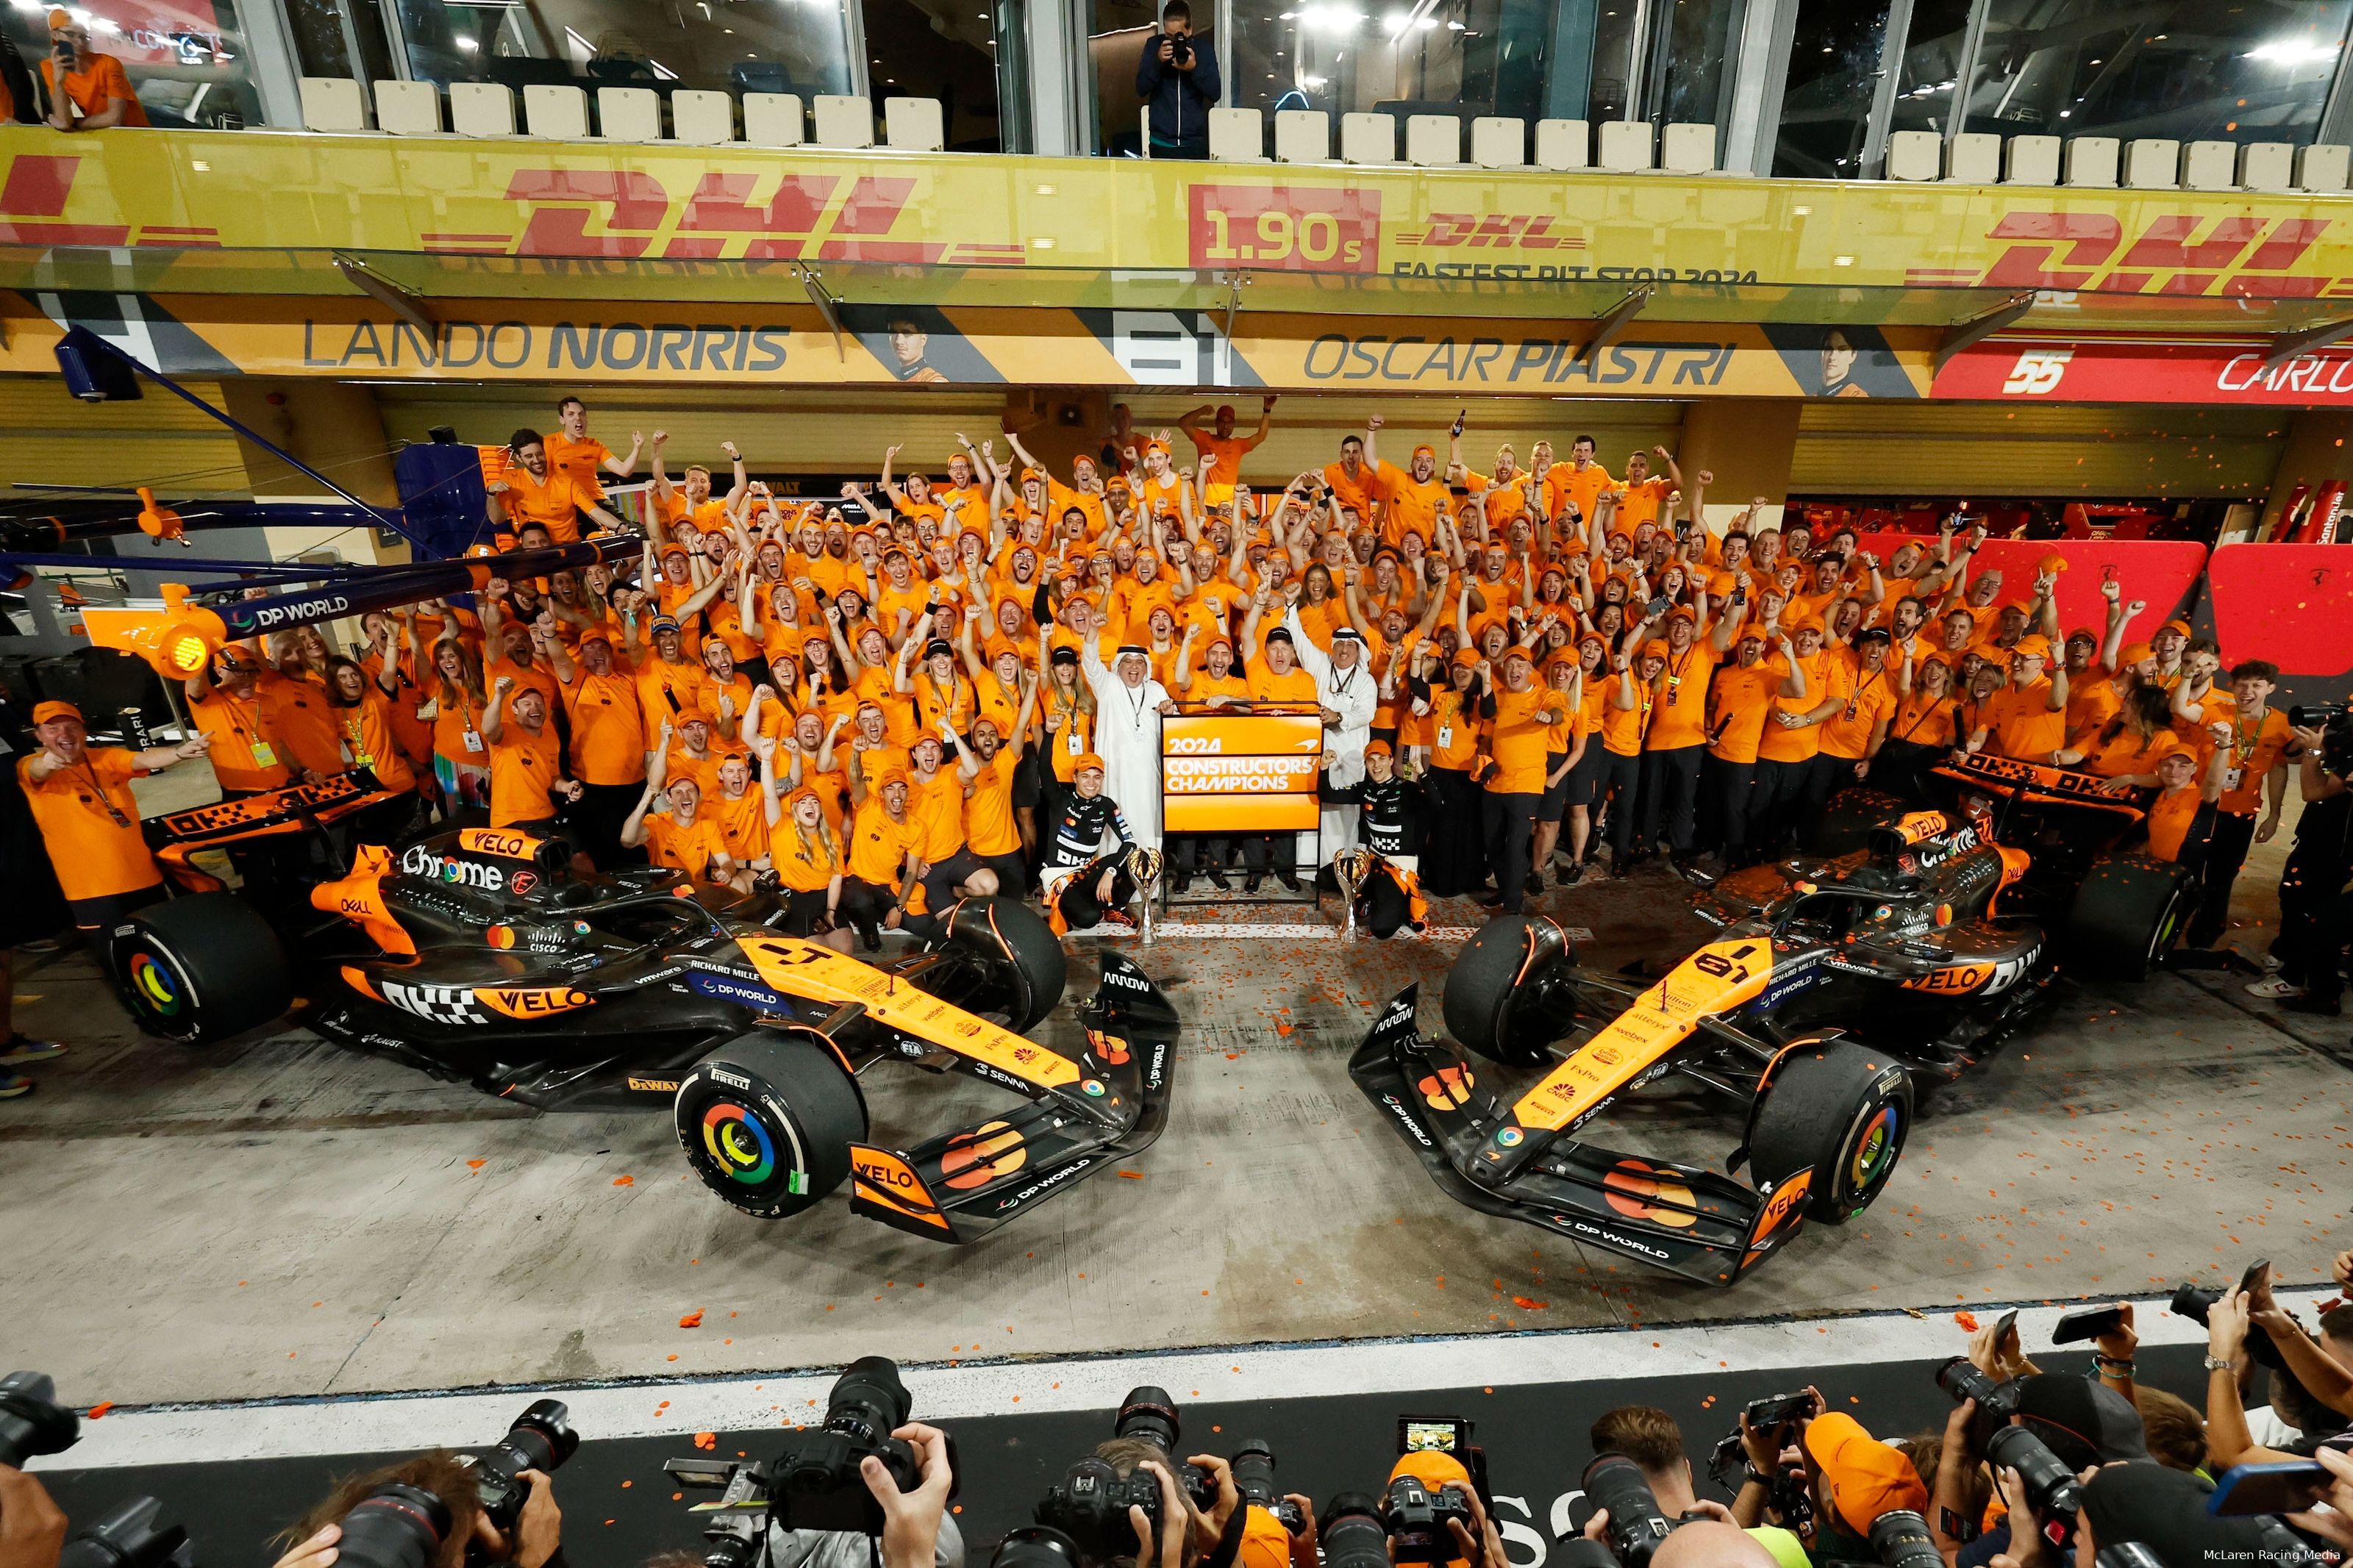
224 699
1390 823
805 854
583 458
80 798
1677 737
885 851
95 93
609 751
2254 736
671 826
1520 715
1742 702
1791 788
1085 884
530 490
2181 817
990 767
527 776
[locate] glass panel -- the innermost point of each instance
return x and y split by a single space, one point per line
1825 101
1614 61
748 45
186 59
1692 54
2256 70
1465 57
1931 65
937 48
1117 31
324 32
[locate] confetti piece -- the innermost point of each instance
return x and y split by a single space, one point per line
706 1441
694 1319
478 1165
1967 1319
1138 1175
99 1410
625 1180
1529 1303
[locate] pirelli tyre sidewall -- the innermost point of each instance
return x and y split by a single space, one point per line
1841 1110
766 1121
2128 913
200 968
1509 957
1009 937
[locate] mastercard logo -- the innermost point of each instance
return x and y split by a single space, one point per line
976 1158
1448 1088
1109 1048
738 1143
155 984
1631 1186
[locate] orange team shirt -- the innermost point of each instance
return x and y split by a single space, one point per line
741 821
1681 711
243 756
1869 697
937 805
1640 503
581 461
878 845
554 501
609 738
804 861
538 675
666 691
367 735
1743 700
522 771
2022 723
1228 450
2091 704
2170 815
689 848
989 824
1622 728
1266 685
97 852
92 90
1583 486
2255 750
1454 730
1520 739
1073 732
2126 753
1413 504
1358 494
301 723
1826 682
1923 720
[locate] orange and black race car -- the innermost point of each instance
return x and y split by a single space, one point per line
482 955
1831 986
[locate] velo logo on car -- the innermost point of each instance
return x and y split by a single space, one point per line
420 861
498 841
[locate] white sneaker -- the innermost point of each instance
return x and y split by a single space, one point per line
2267 964
2272 990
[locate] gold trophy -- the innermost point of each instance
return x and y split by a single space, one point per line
1349 869
1145 866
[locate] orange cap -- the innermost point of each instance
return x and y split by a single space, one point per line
1433 1467
2053 563
1866 1477
2177 626
45 712
1265 1544
893 776
2132 653
60 18
2031 646
1087 760
1657 647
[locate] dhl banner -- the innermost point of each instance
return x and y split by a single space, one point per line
1527 230
621 340
1222 772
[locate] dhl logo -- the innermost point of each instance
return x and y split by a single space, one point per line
33 211
2234 258
1498 231
630 214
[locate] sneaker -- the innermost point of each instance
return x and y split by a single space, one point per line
24 1048
2272 990
1534 885
1217 880
2267 964
1572 875
1182 883
1250 882
13 1084
2326 1007
1119 918
1289 878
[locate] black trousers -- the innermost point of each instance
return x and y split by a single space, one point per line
1509 824
1194 852
2226 852
864 904
1727 791
1616 794
1451 863
2324 977
1669 796
1900 767
2309 884
1387 906
1080 908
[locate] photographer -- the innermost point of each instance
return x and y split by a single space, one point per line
32 1526
1178 78
2308 1393
1650 1437
916 1531
88 91
2310 946
391 1508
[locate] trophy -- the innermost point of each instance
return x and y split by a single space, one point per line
1349 869
1145 866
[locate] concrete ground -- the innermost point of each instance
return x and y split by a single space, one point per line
279 1217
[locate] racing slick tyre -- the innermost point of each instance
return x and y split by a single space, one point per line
2128 913
766 1120
1840 1112
198 968
1847 821
1002 931
1489 990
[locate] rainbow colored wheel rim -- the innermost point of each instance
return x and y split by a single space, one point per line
155 984
1874 1152
738 1143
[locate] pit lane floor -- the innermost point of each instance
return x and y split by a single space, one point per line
283 1217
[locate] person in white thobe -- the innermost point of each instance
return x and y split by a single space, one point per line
1345 686
1128 707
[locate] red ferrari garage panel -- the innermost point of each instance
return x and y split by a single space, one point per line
2158 571
2291 603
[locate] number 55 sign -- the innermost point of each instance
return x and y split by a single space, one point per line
1286 229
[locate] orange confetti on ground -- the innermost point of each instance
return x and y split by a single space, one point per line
1528 1303
1967 1319
1138 1175
478 1165
625 1180
706 1440
100 1409
693 1320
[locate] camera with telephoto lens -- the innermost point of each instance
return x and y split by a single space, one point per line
1996 1402
129 1536
1253 1467
2052 1490
2335 723
815 1481
1900 1538
1615 1483
1089 1505
541 1439
32 1422
1351 1532
395 1526
1414 1517
2195 1301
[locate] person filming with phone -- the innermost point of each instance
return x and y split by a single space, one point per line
88 91
1178 78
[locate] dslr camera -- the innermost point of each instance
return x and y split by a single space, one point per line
541 1439
1996 1402
32 1423
1089 1503
2052 1490
1180 49
402 1526
2335 723
814 1482
1410 1521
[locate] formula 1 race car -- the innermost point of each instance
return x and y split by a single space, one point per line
482 955
1832 987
